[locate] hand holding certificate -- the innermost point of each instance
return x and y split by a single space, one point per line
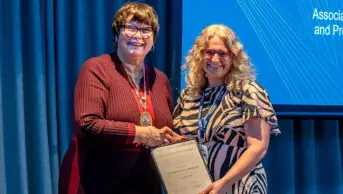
182 167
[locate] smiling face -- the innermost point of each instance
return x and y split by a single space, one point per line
217 60
135 39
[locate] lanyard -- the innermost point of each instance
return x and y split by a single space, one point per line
202 123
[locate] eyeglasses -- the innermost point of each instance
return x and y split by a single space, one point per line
131 30
210 53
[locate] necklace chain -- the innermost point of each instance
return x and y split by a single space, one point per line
142 99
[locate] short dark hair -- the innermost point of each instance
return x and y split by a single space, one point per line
140 12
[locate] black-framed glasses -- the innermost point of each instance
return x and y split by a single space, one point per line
210 53
131 30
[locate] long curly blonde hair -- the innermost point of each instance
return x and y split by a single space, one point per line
241 72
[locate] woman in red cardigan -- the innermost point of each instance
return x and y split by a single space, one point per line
122 107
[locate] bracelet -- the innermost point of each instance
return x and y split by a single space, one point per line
149 136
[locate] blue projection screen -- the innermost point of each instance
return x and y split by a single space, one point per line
296 47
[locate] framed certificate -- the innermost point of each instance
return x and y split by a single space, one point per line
182 167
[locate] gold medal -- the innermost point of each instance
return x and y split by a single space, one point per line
146 119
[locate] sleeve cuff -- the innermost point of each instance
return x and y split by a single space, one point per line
130 133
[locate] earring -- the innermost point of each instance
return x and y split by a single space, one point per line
153 48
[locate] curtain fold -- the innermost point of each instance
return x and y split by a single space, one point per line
306 157
43 44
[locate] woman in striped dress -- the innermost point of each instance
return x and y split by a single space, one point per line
227 111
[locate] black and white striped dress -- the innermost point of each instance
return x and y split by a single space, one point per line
225 136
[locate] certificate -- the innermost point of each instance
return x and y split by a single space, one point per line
182 167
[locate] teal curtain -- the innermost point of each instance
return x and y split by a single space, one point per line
42 47
306 157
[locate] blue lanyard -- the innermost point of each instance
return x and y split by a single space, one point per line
202 123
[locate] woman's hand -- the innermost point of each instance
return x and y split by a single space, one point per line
218 187
162 136
153 137
158 137
172 136
177 137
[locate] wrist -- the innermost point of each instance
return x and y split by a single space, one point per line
226 180
149 135
142 134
